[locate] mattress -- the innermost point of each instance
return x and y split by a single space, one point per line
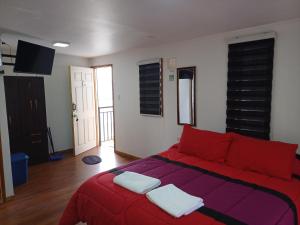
231 196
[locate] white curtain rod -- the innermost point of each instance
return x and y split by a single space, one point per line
251 37
149 61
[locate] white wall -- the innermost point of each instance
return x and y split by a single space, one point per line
58 100
142 136
58 107
5 142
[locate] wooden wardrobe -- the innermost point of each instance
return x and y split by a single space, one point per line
26 115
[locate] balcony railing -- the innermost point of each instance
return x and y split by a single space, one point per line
106 123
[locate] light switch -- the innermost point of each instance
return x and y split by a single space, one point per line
171 77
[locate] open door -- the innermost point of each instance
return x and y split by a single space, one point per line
104 87
84 110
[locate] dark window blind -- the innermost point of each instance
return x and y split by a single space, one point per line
249 88
150 89
186 74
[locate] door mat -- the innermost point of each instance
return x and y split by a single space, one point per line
91 159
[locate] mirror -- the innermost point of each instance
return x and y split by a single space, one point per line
186 96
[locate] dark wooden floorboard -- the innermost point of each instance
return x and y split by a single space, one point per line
42 200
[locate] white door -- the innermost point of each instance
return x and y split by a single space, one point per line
84 110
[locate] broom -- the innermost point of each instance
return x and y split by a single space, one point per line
54 156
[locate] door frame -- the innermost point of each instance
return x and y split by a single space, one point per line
2 180
96 99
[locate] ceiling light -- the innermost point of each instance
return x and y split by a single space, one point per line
61 44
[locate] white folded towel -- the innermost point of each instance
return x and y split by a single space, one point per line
174 201
135 182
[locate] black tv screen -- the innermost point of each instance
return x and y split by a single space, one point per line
34 59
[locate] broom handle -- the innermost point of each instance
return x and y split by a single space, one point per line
51 141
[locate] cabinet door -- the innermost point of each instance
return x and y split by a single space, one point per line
26 104
39 139
39 108
13 107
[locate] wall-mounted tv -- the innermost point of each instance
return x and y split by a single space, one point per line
34 59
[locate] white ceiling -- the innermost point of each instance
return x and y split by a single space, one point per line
99 27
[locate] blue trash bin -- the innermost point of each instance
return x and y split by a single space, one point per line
19 166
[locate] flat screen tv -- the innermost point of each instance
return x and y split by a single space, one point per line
34 59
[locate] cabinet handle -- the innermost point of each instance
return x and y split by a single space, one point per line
30 103
36 104
36 142
36 134
9 120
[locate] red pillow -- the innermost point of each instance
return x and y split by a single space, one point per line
271 158
207 145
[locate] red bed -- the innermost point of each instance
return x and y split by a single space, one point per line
232 196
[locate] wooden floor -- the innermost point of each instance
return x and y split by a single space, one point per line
42 200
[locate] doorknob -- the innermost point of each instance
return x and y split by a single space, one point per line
75 117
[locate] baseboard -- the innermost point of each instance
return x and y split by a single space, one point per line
126 155
66 150
9 198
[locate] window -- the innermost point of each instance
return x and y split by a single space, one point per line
249 88
150 77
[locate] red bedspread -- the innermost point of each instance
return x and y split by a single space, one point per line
231 196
